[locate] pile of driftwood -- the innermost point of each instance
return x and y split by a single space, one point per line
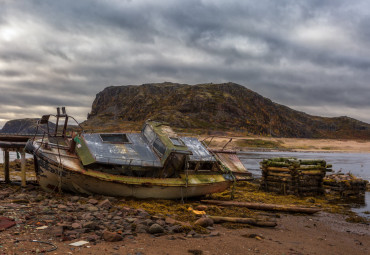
291 176
345 185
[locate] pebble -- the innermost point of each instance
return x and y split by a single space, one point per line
93 219
111 236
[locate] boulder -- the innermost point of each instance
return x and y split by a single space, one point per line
204 222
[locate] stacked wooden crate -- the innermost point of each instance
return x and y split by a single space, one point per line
346 185
291 176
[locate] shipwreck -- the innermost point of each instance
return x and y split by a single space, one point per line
155 163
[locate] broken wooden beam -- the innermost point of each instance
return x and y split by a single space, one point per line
250 221
268 207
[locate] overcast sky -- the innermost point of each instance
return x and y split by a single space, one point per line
312 56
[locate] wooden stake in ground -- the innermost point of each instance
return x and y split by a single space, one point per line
250 221
23 168
268 207
6 166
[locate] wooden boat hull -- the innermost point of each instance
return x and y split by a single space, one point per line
52 177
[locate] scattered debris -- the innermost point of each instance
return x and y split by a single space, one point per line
250 221
42 227
256 236
54 247
196 211
269 207
345 185
6 222
196 252
79 243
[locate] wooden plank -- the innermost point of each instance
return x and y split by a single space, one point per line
260 206
250 221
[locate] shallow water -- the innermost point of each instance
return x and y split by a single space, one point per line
355 163
12 156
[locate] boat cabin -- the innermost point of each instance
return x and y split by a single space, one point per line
155 152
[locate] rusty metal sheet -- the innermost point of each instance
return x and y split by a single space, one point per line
136 152
233 162
6 223
199 151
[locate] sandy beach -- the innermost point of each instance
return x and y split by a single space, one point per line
291 144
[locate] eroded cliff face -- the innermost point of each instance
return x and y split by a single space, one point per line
226 106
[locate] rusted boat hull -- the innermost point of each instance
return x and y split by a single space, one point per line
52 176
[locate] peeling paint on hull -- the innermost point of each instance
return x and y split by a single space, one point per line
51 176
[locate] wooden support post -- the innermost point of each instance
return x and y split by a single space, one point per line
23 168
6 166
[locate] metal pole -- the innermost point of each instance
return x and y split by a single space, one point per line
23 168
6 166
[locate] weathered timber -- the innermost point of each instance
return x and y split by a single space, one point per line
278 169
23 168
311 167
279 174
250 221
268 207
6 166
311 172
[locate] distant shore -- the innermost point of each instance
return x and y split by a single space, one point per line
260 143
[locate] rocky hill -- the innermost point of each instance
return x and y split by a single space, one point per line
226 106
23 126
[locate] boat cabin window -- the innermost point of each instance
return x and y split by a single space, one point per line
159 147
114 138
176 141
149 134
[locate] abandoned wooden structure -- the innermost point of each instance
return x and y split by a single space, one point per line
14 142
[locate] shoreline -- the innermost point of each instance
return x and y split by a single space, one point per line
259 143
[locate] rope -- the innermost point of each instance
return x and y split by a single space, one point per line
43 242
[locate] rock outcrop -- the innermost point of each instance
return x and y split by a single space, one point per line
20 126
24 126
226 106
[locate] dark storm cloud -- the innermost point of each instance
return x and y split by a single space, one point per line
310 55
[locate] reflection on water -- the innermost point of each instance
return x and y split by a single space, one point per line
355 163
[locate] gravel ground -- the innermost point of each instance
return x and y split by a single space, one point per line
50 221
